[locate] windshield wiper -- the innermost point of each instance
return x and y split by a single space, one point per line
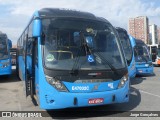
87 49
90 51
74 70
108 63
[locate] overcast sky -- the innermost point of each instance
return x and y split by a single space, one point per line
15 14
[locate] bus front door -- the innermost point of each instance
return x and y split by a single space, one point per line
30 66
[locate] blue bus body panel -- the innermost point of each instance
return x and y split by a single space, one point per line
132 66
8 69
66 100
143 68
50 98
5 70
132 69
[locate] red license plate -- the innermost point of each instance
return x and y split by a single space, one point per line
95 101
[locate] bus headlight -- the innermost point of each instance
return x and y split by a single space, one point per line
56 84
123 80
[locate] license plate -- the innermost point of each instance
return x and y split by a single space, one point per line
95 101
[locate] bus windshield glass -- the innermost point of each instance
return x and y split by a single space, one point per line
126 45
142 54
70 41
3 47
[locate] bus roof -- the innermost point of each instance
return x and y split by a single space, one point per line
121 29
139 42
55 12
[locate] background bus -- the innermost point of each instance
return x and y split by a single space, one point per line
13 55
143 58
72 55
5 58
155 53
128 50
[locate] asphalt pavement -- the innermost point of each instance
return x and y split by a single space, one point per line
144 97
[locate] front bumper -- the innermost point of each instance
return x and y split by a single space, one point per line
6 70
144 70
61 100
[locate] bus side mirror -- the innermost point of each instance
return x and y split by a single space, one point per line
37 27
132 40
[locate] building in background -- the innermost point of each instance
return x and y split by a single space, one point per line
158 34
153 34
139 28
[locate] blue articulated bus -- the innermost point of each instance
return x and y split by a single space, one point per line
143 59
71 59
5 58
128 48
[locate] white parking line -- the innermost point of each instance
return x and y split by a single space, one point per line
149 93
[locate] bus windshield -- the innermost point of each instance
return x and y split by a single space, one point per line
3 47
142 54
126 45
70 41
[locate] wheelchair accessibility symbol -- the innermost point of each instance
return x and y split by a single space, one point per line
90 58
